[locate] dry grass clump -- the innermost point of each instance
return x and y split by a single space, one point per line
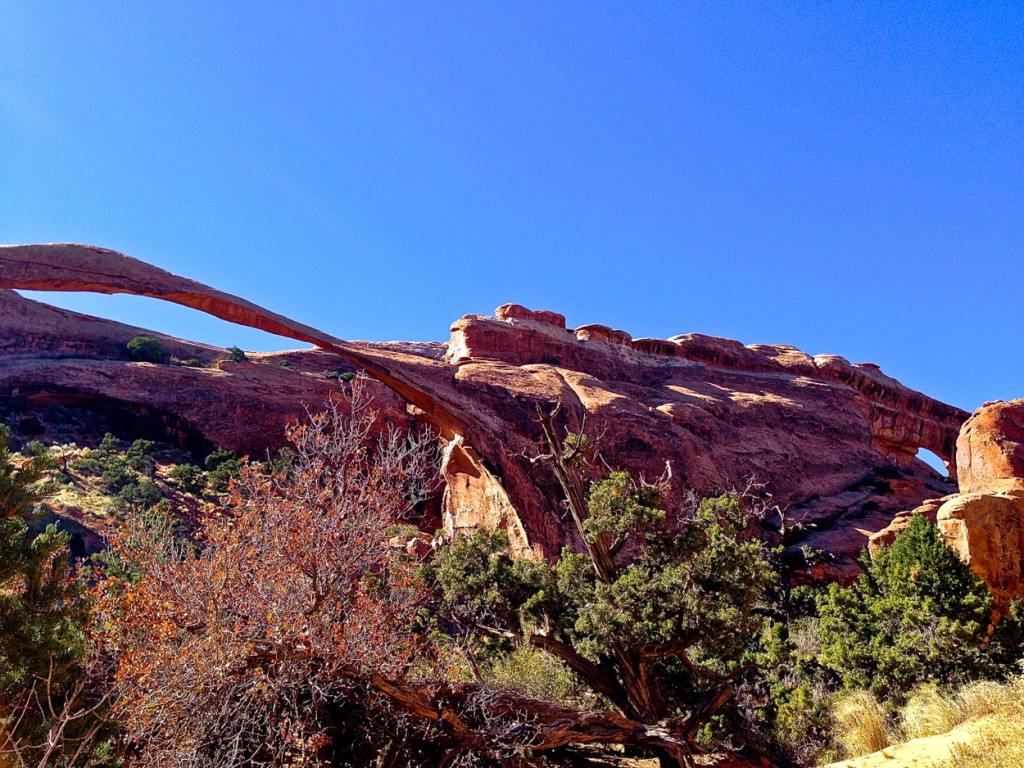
534 673
1000 737
984 698
931 710
860 724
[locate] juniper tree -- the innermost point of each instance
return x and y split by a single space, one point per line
916 613
657 618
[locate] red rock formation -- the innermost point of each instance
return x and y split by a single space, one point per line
900 523
991 445
984 523
987 531
832 441
50 356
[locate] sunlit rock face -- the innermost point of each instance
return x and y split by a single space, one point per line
991 446
833 443
985 523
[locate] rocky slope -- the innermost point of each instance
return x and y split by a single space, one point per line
834 443
55 359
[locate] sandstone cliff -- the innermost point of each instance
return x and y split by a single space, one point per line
834 443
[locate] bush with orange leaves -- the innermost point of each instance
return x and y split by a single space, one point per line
258 644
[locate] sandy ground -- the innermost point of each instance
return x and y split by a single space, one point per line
919 753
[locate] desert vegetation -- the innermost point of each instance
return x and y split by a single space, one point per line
145 349
304 620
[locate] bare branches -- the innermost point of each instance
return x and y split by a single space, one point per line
73 716
237 653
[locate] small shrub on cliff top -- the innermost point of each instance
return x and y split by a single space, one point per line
339 375
237 355
145 349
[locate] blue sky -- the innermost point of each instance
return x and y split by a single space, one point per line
844 177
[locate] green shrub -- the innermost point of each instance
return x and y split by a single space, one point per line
109 444
338 375
221 465
116 475
145 349
218 457
285 364
42 616
647 609
282 463
138 494
140 457
802 724
534 673
189 478
916 613
88 464
236 355
192 362
34 448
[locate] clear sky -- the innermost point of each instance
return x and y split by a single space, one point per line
844 177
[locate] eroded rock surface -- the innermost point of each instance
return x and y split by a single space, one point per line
991 446
832 442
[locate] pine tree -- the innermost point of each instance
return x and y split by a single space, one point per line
661 623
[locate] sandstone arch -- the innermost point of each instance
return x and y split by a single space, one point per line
721 412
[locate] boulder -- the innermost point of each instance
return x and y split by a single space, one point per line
987 530
519 312
991 445
885 537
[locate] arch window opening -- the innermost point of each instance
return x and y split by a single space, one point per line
932 460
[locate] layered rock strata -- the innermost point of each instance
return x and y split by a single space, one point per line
834 443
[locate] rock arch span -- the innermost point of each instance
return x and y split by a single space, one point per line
719 411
